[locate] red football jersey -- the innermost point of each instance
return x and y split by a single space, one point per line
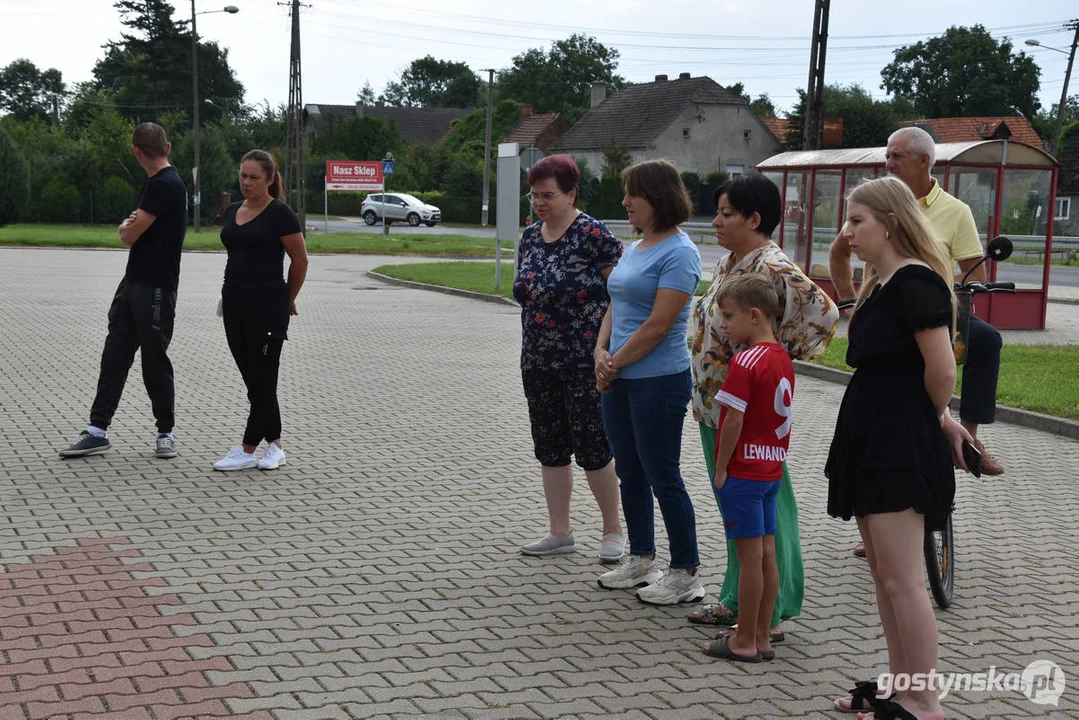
760 384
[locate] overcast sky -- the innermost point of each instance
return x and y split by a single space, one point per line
346 42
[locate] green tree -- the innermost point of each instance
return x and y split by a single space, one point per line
964 72
560 80
14 180
366 96
217 170
61 201
866 122
148 71
366 138
118 199
27 92
1045 122
615 159
429 82
761 107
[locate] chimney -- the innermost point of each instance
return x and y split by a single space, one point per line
683 76
526 111
599 93
661 78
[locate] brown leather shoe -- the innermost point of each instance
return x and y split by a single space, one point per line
990 465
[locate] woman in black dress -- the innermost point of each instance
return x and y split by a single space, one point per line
257 301
891 459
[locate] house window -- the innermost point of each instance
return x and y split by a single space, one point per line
685 133
1064 206
736 170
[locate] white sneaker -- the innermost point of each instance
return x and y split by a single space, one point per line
637 571
273 458
677 586
237 459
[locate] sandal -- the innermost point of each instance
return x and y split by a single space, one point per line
859 550
716 614
889 710
722 650
774 636
863 698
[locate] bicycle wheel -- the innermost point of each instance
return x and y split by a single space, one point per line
940 563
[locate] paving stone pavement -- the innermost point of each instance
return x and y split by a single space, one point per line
377 575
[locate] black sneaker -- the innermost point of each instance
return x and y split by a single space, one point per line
165 448
87 444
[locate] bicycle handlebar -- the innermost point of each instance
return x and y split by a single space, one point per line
980 287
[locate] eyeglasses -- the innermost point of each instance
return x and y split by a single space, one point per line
545 197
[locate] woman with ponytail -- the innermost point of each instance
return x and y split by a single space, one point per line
257 301
891 463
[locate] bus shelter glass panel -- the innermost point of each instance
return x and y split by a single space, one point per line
1025 220
977 187
855 177
795 218
826 202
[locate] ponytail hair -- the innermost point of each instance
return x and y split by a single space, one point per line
269 166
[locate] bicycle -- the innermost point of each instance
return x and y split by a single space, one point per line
939 545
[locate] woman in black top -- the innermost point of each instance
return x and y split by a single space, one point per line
891 460
257 301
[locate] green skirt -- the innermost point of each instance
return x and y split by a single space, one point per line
788 545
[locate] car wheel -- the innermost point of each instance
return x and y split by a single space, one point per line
413 219
369 217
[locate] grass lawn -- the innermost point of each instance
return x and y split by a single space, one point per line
398 243
1041 378
475 276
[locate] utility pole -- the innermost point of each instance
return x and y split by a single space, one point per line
195 197
487 147
813 124
294 133
1074 25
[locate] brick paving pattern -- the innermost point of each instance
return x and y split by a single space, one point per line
376 575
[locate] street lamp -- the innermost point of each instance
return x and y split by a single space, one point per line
1067 79
232 10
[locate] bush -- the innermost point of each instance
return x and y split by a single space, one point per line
118 199
716 178
60 202
605 199
14 180
692 181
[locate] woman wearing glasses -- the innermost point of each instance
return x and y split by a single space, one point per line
561 284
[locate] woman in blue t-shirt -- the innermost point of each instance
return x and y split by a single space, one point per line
642 367
562 268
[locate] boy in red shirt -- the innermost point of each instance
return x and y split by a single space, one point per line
754 434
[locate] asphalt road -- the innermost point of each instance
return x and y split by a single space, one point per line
1024 275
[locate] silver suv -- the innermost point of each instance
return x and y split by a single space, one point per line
398 207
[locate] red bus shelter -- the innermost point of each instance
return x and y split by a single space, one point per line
1009 186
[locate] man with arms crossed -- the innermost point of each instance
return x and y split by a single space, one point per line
143 309
910 157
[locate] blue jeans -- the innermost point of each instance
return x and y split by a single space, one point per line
643 418
978 398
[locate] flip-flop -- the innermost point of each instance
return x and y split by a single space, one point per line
775 636
889 710
863 698
859 550
722 650
715 614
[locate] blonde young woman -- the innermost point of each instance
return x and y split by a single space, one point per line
895 444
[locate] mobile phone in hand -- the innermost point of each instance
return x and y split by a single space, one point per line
972 458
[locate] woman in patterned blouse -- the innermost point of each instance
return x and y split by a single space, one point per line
561 284
749 211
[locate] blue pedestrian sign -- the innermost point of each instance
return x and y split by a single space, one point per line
387 167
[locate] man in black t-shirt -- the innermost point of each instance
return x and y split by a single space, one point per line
143 309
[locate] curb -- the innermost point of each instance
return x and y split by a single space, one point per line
485 297
1013 416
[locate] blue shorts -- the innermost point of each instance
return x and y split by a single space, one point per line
748 507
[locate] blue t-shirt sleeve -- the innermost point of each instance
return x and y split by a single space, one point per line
681 269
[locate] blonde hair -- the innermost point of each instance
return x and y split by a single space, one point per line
909 233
